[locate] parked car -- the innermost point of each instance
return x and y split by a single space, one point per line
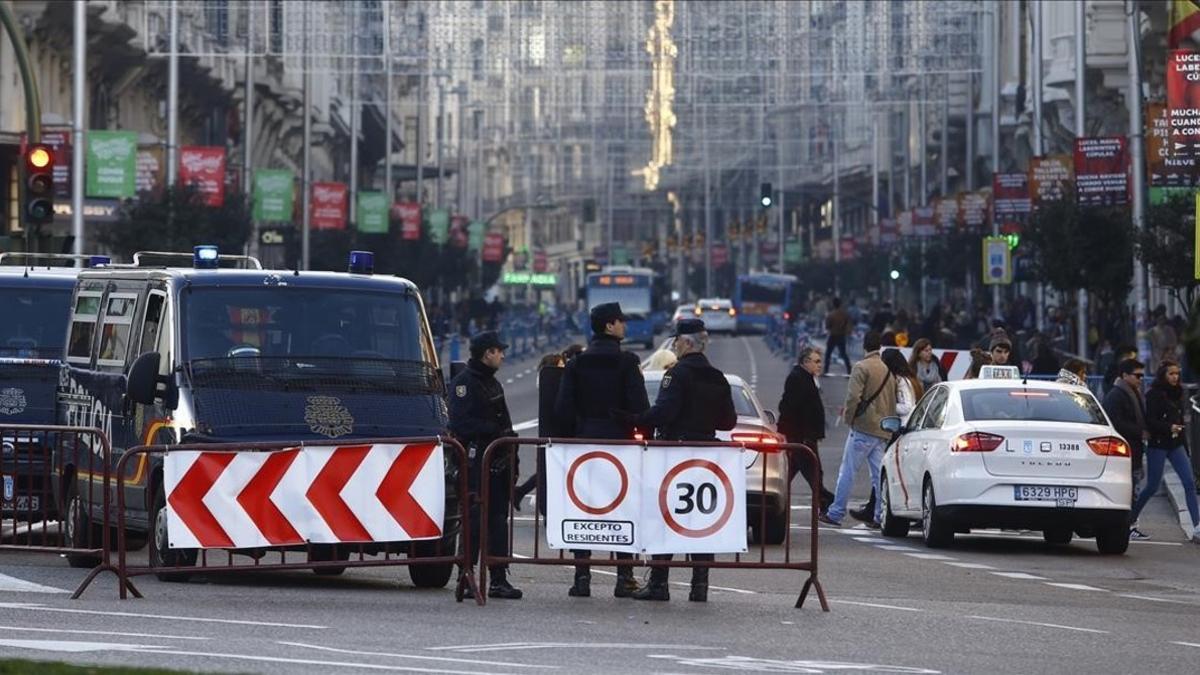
718 314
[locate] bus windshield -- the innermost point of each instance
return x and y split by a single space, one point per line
759 291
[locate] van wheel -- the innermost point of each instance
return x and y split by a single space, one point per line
432 576
1057 536
891 526
935 530
81 533
162 555
1113 540
328 553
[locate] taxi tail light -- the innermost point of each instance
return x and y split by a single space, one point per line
732 311
756 438
976 441
1109 446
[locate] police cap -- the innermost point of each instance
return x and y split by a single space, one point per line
689 327
485 341
602 315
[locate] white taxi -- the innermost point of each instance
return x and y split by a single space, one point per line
1001 451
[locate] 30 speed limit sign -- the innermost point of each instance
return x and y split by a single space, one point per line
697 498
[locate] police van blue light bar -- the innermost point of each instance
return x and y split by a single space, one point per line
205 257
98 261
362 262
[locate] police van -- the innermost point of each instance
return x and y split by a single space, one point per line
35 300
209 353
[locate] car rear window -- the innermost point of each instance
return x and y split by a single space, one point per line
1034 405
742 403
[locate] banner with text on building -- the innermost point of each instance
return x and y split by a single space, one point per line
1183 101
111 164
274 191
203 168
372 213
1101 171
329 204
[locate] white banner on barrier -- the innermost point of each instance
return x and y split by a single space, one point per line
646 500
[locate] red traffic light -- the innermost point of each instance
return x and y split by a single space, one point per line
39 158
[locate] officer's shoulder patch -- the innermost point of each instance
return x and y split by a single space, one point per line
461 391
666 381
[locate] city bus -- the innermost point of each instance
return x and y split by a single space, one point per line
633 287
758 297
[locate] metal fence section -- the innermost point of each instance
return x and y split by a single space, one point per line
431 562
49 475
535 552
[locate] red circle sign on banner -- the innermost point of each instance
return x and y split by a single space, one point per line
666 512
593 510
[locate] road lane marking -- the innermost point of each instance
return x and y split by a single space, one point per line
753 364
878 605
971 566
449 659
1018 575
508 381
77 646
529 424
101 632
1077 587
14 585
31 607
518 646
930 556
1039 623
893 547
1187 644
1153 599
869 540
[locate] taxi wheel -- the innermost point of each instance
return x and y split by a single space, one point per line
936 532
1113 540
890 525
1057 536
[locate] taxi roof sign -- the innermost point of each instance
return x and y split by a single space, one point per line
999 373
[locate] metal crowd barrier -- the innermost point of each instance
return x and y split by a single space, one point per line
783 560
321 558
42 468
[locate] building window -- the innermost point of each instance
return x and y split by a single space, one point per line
276 20
477 58
216 20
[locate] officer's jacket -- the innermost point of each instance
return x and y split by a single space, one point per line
478 411
693 403
599 380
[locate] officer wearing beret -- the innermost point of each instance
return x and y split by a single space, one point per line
694 401
478 416
601 379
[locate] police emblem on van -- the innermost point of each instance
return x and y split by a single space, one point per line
327 416
12 401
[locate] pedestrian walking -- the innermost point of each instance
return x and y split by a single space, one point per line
837 325
908 392
870 398
925 365
478 416
1127 410
1166 443
599 380
802 420
1073 371
693 403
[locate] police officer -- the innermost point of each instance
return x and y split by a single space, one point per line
478 416
693 402
601 379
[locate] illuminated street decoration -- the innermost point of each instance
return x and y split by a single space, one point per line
660 100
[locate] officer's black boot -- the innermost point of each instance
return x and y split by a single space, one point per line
626 584
500 588
699 591
583 583
657 588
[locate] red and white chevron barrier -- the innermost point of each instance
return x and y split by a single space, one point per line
327 495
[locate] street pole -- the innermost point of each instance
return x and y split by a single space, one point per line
79 64
782 206
908 202
922 139
441 135
1039 144
1134 100
420 138
837 211
708 228
459 164
248 113
306 162
944 151
479 169
33 100
996 312
1080 132
388 188
969 175
875 166
354 115
173 94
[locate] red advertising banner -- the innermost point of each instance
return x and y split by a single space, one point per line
904 222
768 252
720 255
203 167
540 262
1183 101
847 248
493 247
329 203
1050 179
409 216
889 231
1101 171
946 209
1010 197
1165 168
924 222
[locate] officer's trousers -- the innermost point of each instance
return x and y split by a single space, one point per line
659 575
497 516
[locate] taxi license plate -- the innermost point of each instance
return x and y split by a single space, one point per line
1061 495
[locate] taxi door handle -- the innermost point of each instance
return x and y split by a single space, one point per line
924 447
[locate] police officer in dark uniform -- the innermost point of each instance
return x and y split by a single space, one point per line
693 402
601 379
478 416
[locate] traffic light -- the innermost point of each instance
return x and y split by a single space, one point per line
1014 240
764 194
39 185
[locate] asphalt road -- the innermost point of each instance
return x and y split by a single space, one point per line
993 603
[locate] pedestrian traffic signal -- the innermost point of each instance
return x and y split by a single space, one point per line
1014 240
764 195
39 185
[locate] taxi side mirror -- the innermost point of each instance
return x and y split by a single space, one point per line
142 381
892 424
771 417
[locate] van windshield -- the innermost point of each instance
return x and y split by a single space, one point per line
35 322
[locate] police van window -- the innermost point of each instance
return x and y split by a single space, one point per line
83 327
115 330
34 322
152 321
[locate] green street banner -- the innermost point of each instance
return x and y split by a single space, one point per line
475 232
439 225
111 164
372 212
793 252
274 193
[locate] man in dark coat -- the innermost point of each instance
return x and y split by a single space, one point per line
802 419
1126 409
478 416
694 402
599 380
